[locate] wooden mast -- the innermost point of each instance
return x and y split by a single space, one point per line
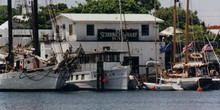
10 38
174 33
35 31
187 26
35 28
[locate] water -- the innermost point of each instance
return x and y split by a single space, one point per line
111 100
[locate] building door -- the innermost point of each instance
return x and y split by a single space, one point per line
134 63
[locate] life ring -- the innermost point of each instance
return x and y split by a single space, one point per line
196 55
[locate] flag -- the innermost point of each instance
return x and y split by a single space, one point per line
165 48
190 47
207 47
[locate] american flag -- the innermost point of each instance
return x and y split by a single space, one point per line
207 47
190 47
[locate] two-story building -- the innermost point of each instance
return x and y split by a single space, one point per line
95 31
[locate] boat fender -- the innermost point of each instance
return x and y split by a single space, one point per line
104 80
154 88
178 81
199 89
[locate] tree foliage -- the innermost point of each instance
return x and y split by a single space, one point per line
4 13
167 15
112 6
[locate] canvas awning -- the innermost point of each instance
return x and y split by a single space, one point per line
151 63
169 31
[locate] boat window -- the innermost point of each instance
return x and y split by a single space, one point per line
90 30
83 77
111 58
106 58
77 77
28 62
92 59
145 30
87 59
116 58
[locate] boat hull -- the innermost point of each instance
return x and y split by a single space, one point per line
192 83
117 79
215 84
36 80
158 87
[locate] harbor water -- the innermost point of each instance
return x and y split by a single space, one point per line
110 100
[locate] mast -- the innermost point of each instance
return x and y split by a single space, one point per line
10 38
174 33
121 25
155 32
187 26
35 27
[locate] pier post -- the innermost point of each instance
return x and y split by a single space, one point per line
147 73
100 73
97 78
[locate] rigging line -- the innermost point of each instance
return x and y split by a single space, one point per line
213 50
31 78
206 59
129 51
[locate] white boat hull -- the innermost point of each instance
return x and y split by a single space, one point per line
158 87
116 80
191 83
36 80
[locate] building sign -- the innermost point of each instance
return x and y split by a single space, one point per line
113 35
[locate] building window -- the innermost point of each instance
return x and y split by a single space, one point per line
64 26
77 77
90 30
0 35
71 29
22 35
57 29
145 30
71 77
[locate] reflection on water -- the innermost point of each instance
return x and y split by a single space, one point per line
111 100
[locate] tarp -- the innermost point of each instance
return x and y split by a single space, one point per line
189 64
169 31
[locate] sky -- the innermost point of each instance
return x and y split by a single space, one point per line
208 10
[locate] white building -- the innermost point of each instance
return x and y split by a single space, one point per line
22 36
95 31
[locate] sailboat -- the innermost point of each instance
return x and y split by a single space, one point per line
23 69
180 72
159 86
